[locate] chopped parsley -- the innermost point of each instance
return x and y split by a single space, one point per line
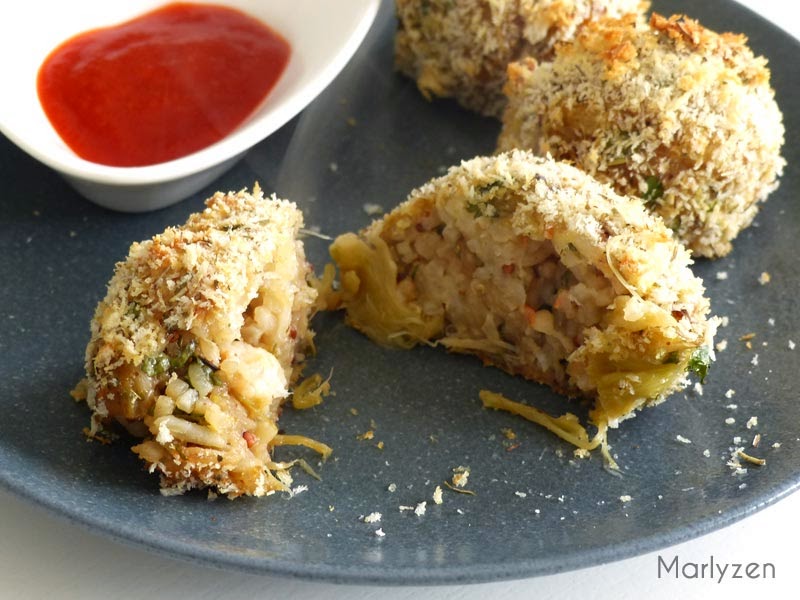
162 362
482 209
186 353
489 187
155 365
700 362
134 309
655 189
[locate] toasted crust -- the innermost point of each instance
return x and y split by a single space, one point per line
461 49
668 111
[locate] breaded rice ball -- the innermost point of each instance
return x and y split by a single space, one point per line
669 112
461 49
197 340
540 270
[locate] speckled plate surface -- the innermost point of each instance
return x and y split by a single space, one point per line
369 139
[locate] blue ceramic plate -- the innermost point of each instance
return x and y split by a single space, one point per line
536 510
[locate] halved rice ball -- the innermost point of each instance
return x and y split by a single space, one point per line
538 269
200 334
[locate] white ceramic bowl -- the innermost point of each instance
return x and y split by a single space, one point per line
323 35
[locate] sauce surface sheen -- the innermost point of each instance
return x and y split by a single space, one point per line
161 86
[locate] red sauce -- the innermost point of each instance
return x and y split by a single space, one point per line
161 86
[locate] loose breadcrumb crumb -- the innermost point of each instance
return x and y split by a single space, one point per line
751 422
730 421
764 278
625 498
392 487
722 345
754 360
792 345
379 532
420 509
521 494
730 393
373 209
373 517
437 495
460 476
580 453
722 275
707 453
367 435
776 445
734 464
682 439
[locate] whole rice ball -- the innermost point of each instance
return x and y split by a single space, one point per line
461 49
669 111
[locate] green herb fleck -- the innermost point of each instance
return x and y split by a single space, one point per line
655 189
489 187
215 378
618 162
185 354
482 209
700 362
476 210
162 363
148 366
153 366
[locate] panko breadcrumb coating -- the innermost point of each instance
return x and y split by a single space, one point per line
540 270
197 340
461 49
670 112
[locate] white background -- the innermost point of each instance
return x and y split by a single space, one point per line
43 557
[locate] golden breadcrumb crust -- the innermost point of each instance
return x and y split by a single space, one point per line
461 49
197 340
669 111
